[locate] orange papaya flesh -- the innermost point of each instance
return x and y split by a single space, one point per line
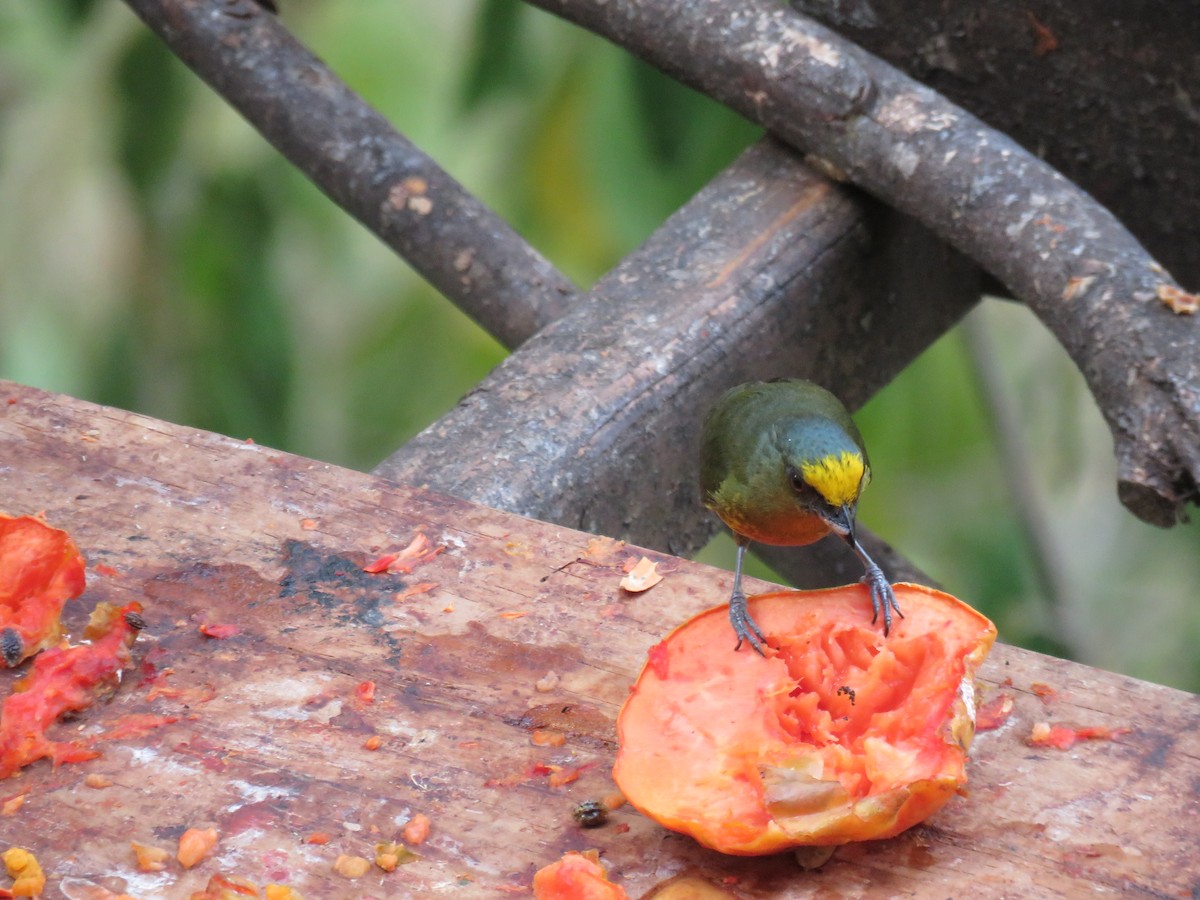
62 680
838 734
576 876
40 570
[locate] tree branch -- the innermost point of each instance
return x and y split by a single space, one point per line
769 270
1106 90
353 154
1054 247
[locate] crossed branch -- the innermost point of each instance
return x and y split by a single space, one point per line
777 266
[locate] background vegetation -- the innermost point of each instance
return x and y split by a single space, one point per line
157 255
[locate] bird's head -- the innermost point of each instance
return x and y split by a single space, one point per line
826 470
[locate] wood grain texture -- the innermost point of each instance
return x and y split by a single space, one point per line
523 630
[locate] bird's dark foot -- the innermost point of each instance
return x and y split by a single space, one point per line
883 598
744 627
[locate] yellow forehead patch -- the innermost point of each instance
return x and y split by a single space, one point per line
837 478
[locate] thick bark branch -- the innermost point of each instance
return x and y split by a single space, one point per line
1108 92
770 270
352 154
1053 246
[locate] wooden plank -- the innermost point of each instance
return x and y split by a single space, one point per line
269 749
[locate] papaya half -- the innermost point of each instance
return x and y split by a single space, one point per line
837 734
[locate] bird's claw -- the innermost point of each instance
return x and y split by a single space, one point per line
744 626
883 598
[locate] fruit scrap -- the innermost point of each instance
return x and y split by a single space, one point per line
351 866
994 713
416 830
561 776
512 779
230 887
544 737
152 675
420 550
364 692
1043 691
577 876
556 776
148 858
612 801
423 587
62 680
380 564
226 887
23 868
1064 737
219 630
195 846
641 577
390 855
755 754
223 887
40 570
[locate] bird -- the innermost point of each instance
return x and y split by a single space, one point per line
782 463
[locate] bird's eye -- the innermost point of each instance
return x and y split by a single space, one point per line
799 485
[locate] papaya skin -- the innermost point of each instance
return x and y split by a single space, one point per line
835 735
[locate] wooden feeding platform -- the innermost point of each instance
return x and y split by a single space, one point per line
504 631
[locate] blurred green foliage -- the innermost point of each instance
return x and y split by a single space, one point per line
157 255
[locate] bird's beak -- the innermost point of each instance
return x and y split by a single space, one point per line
842 521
